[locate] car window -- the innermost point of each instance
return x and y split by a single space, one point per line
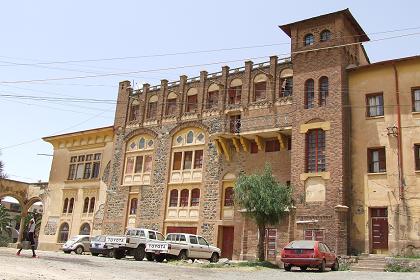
160 236
84 239
97 238
193 239
327 249
131 232
152 235
169 237
102 238
141 233
301 244
182 238
321 247
202 241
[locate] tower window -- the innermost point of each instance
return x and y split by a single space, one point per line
309 40
325 35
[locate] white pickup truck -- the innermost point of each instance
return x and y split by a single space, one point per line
139 243
190 246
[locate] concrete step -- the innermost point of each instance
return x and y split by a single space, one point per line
366 268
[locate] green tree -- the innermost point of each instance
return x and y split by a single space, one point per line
265 200
4 218
2 174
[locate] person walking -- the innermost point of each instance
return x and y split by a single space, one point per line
30 237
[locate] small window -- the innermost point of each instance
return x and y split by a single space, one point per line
173 200
152 235
129 165
198 159
85 229
195 197
177 161
235 123
286 87
272 146
234 95
142 143
193 239
92 205
315 151
314 234
254 147
63 233
138 167
86 205
309 94
309 40
190 137
133 206
376 160
88 170
171 107
148 163
229 196
183 202
188 159
416 100
71 205
374 105
134 112
152 110
65 205
417 156
325 35
191 103
323 91
260 91
213 99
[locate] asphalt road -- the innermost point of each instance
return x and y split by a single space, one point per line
60 266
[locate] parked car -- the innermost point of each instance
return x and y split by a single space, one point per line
308 253
190 246
78 244
99 247
135 243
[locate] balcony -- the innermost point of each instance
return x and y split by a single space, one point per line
182 213
137 178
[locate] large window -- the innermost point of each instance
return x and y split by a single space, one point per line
308 40
183 202
416 99
374 105
171 104
260 91
84 167
187 198
229 197
417 156
138 164
376 160
315 150
323 91
134 112
234 95
63 233
133 206
309 94
213 99
195 197
152 110
191 103
185 160
173 198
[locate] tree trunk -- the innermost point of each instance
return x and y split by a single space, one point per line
261 249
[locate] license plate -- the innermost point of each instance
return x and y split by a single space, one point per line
298 251
115 239
157 246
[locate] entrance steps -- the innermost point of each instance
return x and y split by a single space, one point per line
369 262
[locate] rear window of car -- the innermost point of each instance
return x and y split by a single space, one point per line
301 244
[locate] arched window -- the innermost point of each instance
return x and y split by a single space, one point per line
134 111
260 87
184 198
152 107
86 205
308 40
92 205
85 229
309 94
195 197
63 233
142 143
213 96
191 105
171 104
133 206
234 92
173 199
323 91
315 150
71 205
325 35
190 137
228 197
65 205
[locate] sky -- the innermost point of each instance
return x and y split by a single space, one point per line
85 37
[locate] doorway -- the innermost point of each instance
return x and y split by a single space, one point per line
226 238
379 229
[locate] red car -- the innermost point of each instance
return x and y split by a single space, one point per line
308 253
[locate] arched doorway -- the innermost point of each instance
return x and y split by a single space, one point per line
85 229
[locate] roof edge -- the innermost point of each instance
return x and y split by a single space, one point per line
77 133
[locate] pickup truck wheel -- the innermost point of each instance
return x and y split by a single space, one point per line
139 253
160 258
149 257
182 256
110 254
119 254
214 258
79 250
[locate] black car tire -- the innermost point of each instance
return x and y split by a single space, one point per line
67 252
322 266
160 258
214 258
287 267
79 250
119 254
139 253
182 255
149 257
95 254
335 266
110 254
303 268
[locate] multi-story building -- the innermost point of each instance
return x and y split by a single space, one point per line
385 145
179 146
76 194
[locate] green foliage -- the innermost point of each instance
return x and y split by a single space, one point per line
252 264
4 218
2 174
398 267
5 239
264 200
344 266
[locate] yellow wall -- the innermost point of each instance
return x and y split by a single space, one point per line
381 190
